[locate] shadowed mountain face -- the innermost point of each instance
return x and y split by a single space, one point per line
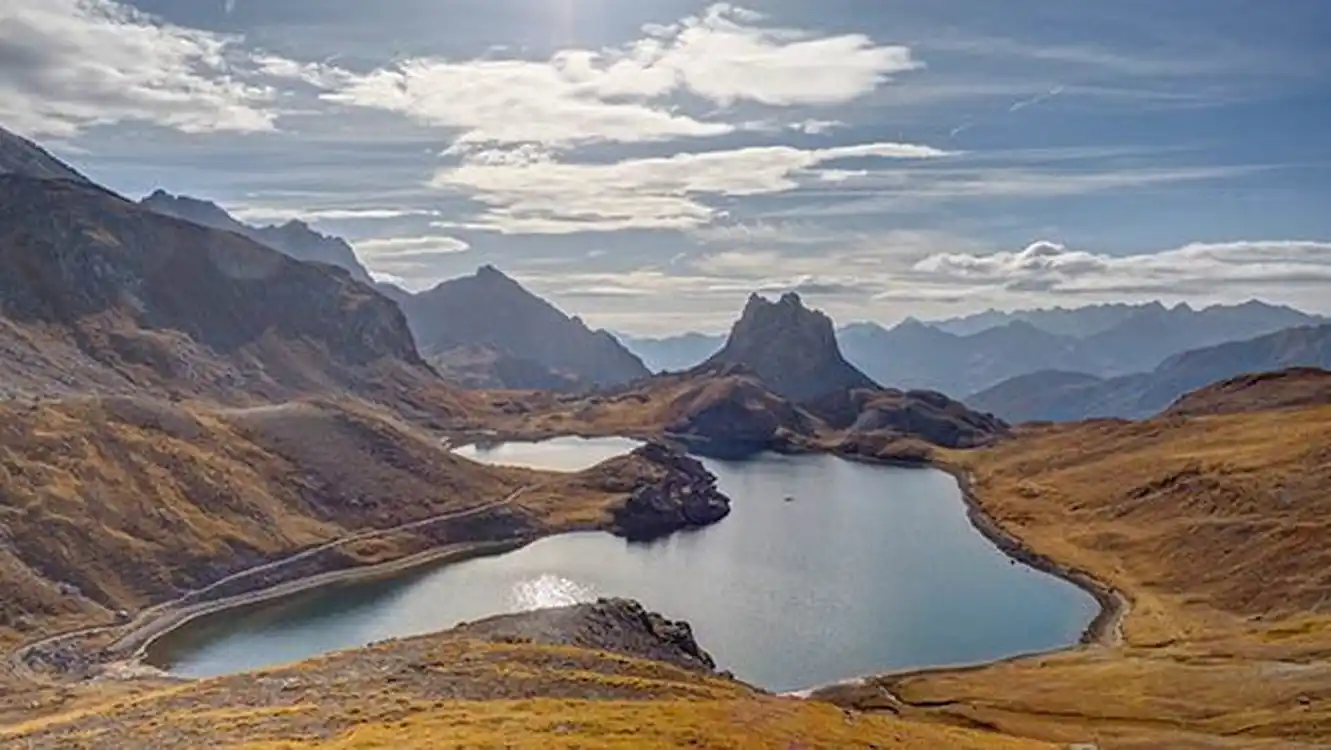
21 156
100 293
492 311
792 348
1062 397
294 238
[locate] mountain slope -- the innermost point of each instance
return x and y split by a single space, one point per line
792 348
1295 387
100 293
491 310
1060 397
21 156
294 238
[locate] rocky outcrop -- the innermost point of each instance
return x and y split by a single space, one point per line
621 626
735 416
791 348
925 415
682 495
492 311
295 238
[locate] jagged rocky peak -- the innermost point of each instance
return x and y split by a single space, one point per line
792 348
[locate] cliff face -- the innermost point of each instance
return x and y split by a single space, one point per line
492 311
791 348
99 292
294 238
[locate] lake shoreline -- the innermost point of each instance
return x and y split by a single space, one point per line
134 646
1104 630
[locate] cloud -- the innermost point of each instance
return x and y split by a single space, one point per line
624 94
70 64
1017 106
816 127
1196 269
396 247
532 192
280 214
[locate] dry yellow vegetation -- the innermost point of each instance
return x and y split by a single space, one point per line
449 691
1218 529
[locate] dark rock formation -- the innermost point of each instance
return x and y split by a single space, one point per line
735 416
683 496
620 626
927 415
21 156
494 312
294 238
791 348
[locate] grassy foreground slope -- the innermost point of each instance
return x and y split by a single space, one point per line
1217 528
470 689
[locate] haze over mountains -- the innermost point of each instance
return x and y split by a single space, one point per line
963 356
1051 395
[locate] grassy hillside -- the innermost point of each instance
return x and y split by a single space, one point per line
453 691
1216 528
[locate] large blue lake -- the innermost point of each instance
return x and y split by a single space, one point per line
863 569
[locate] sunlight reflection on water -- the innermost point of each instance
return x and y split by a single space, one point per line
547 592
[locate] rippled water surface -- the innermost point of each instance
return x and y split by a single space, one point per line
825 570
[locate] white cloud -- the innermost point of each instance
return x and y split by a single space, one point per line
69 64
389 247
816 127
623 94
532 192
255 214
1197 269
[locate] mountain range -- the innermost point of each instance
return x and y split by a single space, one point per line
521 342
1056 396
1118 340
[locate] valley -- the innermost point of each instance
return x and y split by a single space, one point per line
212 431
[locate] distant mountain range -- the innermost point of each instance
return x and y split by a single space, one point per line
481 331
1064 396
1116 340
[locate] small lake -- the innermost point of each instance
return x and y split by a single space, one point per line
867 569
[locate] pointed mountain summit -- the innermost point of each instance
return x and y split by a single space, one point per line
489 311
791 347
295 238
20 156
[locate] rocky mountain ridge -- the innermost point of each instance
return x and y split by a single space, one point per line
294 238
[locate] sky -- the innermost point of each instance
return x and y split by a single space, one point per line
647 165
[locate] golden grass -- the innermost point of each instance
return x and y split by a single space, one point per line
616 725
1217 528
451 692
